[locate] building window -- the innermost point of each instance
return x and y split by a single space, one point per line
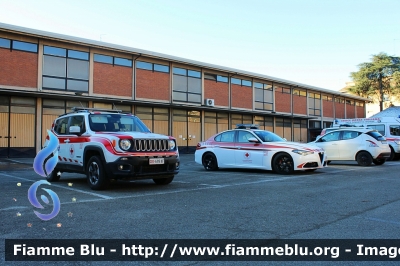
263 96
240 119
283 128
282 89
65 69
186 85
314 124
300 93
339 100
314 104
152 67
103 59
122 62
156 119
241 82
25 46
216 78
106 59
327 124
300 130
5 43
265 122
327 98
214 123
18 45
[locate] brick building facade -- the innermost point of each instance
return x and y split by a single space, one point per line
43 75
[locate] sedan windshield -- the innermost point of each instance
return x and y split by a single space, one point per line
116 123
267 136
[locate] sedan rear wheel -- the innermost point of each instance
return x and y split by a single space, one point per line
283 164
364 158
210 162
392 155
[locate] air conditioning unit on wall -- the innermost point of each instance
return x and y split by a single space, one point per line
209 102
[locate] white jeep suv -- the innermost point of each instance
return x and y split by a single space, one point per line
108 145
364 145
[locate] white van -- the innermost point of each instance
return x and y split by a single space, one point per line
387 126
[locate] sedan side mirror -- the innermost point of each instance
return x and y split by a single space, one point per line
254 140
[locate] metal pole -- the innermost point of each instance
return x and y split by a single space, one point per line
380 92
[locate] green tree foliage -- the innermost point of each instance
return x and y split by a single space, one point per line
383 70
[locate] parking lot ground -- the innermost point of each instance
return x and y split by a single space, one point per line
343 200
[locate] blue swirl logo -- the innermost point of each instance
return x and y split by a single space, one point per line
34 201
46 160
44 163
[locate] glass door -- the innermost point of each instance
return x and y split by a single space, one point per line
186 128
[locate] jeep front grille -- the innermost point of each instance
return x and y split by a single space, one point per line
150 145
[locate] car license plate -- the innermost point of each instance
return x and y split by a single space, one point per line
156 161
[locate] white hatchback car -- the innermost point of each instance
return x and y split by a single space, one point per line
257 149
364 145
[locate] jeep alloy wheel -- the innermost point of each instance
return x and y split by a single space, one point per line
96 176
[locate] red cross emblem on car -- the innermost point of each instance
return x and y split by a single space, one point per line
71 150
247 155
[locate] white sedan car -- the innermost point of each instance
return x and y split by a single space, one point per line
258 149
364 145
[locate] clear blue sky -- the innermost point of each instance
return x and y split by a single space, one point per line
315 42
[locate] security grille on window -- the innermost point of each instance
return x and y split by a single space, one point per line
186 85
65 69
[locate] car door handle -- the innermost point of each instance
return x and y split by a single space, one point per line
238 147
67 141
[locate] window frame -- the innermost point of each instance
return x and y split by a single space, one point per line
264 88
76 57
185 94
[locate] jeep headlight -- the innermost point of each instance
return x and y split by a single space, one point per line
172 144
125 144
303 152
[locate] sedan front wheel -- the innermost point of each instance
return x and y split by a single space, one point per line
283 164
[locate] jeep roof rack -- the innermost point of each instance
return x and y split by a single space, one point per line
86 109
